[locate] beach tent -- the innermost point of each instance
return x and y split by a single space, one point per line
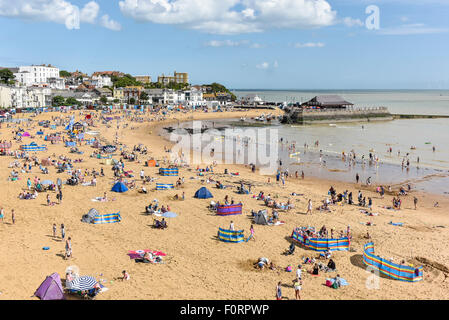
26 134
396 271
151 163
203 193
90 216
232 236
51 288
40 133
229 210
168 172
164 186
261 217
119 187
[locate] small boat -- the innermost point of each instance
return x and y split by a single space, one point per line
332 125
242 119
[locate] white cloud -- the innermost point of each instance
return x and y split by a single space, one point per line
231 43
110 24
223 17
263 65
90 12
350 22
57 11
266 65
412 29
309 45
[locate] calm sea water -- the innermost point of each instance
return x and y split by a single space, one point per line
430 174
435 102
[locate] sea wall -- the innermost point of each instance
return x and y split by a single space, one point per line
309 116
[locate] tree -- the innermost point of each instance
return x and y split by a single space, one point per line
125 81
64 74
103 100
132 101
6 75
58 101
144 97
116 100
71 101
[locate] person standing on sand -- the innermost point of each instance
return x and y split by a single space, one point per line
2 214
62 231
297 285
278 291
309 207
415 202
231 226
68 248
13 217
54 230
251 229
357 178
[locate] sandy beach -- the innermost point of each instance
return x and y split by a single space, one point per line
197 265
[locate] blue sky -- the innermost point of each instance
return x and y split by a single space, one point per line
272 44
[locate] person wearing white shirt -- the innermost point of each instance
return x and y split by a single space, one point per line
298 273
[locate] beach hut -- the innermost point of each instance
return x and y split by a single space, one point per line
50 288
119 187
203 193
229 210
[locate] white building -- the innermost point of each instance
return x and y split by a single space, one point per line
35 75
22 97
101 81
5 97
194 97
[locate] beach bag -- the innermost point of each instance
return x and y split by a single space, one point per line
328 283
335 285
288 269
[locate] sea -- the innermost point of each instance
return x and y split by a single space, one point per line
423 142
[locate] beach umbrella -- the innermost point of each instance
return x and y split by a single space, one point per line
169 214
82 283
47 182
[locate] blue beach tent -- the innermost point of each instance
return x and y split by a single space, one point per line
203 193
119 187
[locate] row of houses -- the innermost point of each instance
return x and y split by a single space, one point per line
37 97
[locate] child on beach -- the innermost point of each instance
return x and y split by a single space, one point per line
54 230
125 275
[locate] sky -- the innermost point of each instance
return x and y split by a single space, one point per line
243 44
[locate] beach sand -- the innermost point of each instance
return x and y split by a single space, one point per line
197 265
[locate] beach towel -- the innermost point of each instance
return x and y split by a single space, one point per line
343 282
138 254
398 224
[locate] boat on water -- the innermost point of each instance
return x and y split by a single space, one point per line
242 119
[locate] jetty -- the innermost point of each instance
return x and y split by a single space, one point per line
333 109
